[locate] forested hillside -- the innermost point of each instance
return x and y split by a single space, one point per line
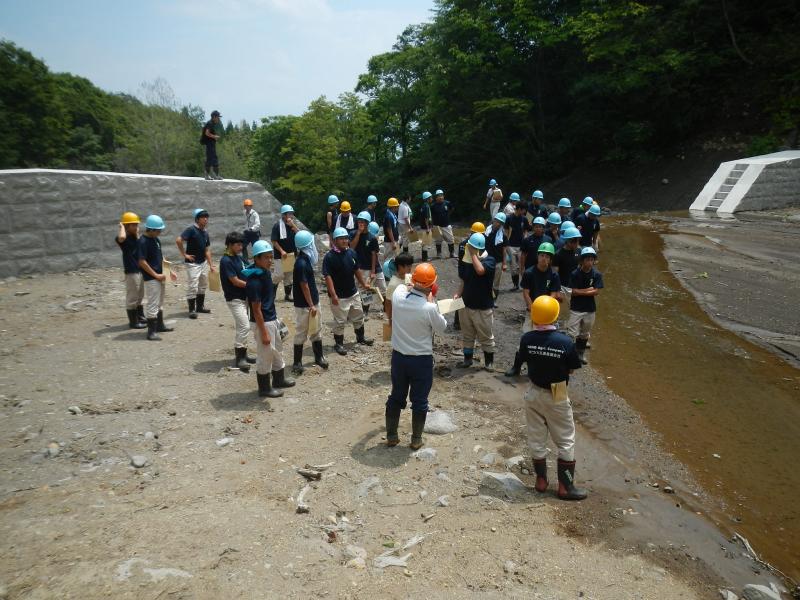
525 91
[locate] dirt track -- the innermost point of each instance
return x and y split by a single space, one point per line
204 521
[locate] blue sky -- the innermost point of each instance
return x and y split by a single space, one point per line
247 58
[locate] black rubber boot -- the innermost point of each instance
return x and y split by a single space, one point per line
217 176
265 390
392 421
424 256
365 308
133 319
140 315
279 379
201 301
417 427
361 338
297 366
160 327
438 250
514 370
405 249
456 323
338 345
452 248
515 281
580 346
467 362
151 330
488 360
566 482
240 362
250 359
192 307
319 358
287 292
540 468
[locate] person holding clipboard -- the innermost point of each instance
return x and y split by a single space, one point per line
282 237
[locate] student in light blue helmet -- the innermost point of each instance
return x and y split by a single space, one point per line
518 227
307 320
553 234
586 283
367 249
589 225
587 203
150 263
372 202
494 198
496 241
537 207
477 316
282 238
426 222
197 260
331 213
396 269
564 208
233 284
530 245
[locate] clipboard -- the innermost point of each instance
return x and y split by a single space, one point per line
166 269
378 293
449 305
314 323
426 237
214 283
467 258
408 279
387 332
559 391
287 263
413 236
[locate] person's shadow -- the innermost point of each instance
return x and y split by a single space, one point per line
372 451
249 401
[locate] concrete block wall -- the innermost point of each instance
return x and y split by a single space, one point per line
56 220
778 186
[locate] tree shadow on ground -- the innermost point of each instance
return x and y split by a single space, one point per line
241 401
372 451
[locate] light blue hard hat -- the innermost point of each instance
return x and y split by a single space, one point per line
477 240
426 195
564 203
588 201
539 221
570 233
303 239
332 199
439 193
566 225
538 194
389 268
492 182
374 228
340 232
554 219
198 212
154 222
501 216
588 251
364 216
286 208
372 199
595 210
514 197
260 247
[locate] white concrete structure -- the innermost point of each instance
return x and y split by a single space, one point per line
55 221
755 183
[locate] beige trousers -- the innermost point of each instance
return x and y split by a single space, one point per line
347 311
134 290
477 325
269 357
443 233
153 297
301 333
196 279
494 208
498 275
543 416
513 252
403 230
580 324
241 321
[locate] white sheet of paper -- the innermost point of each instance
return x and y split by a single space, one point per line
449 305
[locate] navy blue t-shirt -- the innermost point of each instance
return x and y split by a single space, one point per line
367 244
538 211
581 281
550 356
440 213
197 241
567 262
261 289
390 224
286 243
231 266
587 227
478 293
150 251
304 273
556 240
462 247
130 254
519 225
540 283
530 246
579 210
341 267
494 249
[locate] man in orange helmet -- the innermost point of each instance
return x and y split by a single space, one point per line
252 226
415 318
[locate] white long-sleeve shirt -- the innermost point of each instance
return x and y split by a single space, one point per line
414 321
252 221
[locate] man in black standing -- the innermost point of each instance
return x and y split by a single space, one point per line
209 139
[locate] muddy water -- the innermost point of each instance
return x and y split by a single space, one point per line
705 390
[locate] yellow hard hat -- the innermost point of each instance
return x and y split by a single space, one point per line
392 203
344 206
247 202
544 310
130 217
478 227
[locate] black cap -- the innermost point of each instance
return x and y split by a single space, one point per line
215 113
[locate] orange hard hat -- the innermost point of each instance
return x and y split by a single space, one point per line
424 275
247 202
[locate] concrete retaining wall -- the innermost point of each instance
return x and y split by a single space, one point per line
778 186
55 221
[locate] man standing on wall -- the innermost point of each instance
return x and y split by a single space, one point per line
209 139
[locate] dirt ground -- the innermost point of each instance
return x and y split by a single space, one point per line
208 519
